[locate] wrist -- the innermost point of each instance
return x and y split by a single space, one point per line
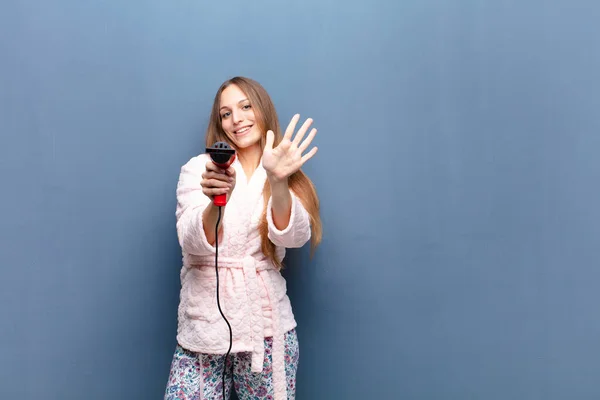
278 185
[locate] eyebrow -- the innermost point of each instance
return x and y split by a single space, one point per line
241 101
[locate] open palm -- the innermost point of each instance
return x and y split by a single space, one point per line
285 159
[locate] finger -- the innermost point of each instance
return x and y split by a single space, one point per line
291 127
308 139
309 155
270 139
217 175
214 192
231 172
214 183
302 131
211 166
219 178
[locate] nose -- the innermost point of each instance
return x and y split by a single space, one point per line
237 116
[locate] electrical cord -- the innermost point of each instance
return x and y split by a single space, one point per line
218 300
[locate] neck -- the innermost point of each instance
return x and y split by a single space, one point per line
250 159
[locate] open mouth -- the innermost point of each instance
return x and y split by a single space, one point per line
243 131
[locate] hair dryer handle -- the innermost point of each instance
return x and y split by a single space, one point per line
220 200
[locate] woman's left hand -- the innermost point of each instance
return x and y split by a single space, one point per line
285 159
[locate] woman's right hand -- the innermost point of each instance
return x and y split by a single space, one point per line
217 181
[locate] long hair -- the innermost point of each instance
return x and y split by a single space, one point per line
266 119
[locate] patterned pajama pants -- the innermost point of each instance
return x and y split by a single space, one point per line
196 376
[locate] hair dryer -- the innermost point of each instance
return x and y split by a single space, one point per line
223 156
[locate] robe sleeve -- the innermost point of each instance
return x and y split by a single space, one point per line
297 232
191 203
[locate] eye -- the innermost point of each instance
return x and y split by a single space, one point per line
225 114
246 107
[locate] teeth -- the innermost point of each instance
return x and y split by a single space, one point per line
243 130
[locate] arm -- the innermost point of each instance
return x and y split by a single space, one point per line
215 181
281 203
287 220
209 220
196 213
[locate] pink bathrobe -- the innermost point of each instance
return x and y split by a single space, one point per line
252 291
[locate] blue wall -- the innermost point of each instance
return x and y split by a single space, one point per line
458 171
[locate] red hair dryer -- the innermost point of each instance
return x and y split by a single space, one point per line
223 156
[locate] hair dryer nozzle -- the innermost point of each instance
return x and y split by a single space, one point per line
222 154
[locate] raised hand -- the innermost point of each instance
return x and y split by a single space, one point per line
285 159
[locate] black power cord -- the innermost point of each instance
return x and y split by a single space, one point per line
218 301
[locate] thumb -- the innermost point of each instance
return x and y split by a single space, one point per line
270 138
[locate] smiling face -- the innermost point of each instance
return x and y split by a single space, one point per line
238 119
242 113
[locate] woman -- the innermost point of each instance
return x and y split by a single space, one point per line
271 206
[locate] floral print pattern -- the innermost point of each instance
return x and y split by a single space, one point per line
196 376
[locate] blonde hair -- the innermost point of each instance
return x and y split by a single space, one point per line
299 183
